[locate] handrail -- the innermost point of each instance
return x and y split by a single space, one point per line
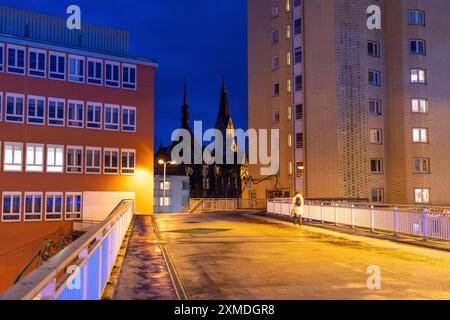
39 279
28 265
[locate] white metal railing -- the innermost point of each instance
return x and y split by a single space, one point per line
429 223
206 205
80 271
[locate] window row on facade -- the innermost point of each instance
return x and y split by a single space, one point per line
420 165
40 206
40 158
421 195
40 63
58 112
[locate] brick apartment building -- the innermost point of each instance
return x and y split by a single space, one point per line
363 114
76 130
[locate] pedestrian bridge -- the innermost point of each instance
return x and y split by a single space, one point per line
83 270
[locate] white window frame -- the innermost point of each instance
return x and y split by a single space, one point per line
15 96
76 77
111 82
35 164
168 185
58 72
90 123
377 76
422 135
133 127
418 42
54 195
423 169
422 195
31 118
111 126
379 194
75 122
416 76
88 167
36 72
11 213
15 165
71 214
33 195
376 49
381 167
376 136
165 202
59 122
128 84
416 15
3 56
126 170
75 168
110 170
94 80
52 165
377 104
275 63
419 105
16 48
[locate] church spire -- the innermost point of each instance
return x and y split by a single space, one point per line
185 110
224 116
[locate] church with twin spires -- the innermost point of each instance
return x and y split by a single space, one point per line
207 181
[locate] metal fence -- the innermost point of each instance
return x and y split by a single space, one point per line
81 271
208 205
429 223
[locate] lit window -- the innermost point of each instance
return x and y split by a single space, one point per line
93 160
420 135
16 59
110 161
374 78
57 66
419 105
55 159
2 52
13 156
288 58
416 17
129 119
289 85
112 76
288 5
417 47
376 165
94 115
74 205
165 202
289 113
422 195
289 140
36 62
112 117
75 113
418 76
36 110
376 136
74 159
34 158
300 169
33 206
128 162
56 108
12 206
288 31
76 69
95 71
377 195
128 76
375 107
161 185
53 206
290 169
14 107
421 165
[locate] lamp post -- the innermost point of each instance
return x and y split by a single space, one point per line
164 163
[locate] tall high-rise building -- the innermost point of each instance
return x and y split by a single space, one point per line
363 113
76 130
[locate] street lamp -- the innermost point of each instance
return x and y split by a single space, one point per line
165 163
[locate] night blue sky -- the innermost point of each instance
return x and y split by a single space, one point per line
201 40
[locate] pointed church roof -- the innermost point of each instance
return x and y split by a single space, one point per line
185 110
224 117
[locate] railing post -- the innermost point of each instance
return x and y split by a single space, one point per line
84 281
336 214
49 292
353 216
372 218
321 213
425 224
396 221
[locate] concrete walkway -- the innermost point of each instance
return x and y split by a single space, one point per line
144 274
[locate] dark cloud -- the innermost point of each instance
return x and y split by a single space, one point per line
202 40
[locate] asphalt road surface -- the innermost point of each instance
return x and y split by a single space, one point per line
236 256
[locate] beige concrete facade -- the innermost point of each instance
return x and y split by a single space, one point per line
337 122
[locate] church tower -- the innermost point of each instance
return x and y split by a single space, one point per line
224 121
